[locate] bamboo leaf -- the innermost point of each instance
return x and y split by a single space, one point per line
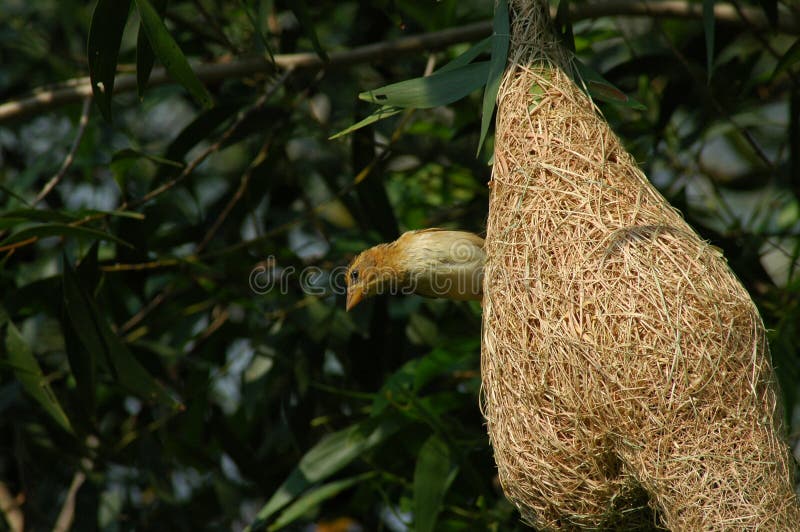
433 476
129 153
169 53
440 88
261 37
467 57
564 25
105 35
198 129
59 229
383 112
99 340
37 215
770 8
416 373
144 52
16 217
331 454
500 38
29 374
82 361
300 10
8 190
388 111
788 59
602 89
313 498
708 26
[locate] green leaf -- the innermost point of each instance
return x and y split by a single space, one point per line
416 373
468 56
770 8
19 216
89 269
440 88
384 112
57 229
101 343
564 25
602 89
129 153
35 215
79 310
29 374
261 37
195 132
500 37
105 36
708 26
433 476
81 361
313 498
8 190
331 454
144 52
170 55
788 59
82 213
300 10
83 366
536 92
388 111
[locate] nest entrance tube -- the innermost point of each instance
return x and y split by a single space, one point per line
623 363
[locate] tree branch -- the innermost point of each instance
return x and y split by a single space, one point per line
82 123
76 89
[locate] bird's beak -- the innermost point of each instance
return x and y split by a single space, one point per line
354 296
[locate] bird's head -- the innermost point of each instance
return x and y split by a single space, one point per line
429 262
367 275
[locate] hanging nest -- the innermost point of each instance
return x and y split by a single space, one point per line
627 380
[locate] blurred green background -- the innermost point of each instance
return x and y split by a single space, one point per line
175 351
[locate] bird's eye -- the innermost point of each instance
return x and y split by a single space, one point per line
354 276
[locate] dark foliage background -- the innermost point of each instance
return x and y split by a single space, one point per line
175 353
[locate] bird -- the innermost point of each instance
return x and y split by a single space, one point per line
434 262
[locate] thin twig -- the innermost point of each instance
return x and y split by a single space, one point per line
183 23
169 290
67 514
141 266
214 25
75 89
760 38
82 123
220 318
744 132
187 171
11 510
151 305
245 180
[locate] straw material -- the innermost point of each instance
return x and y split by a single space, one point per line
624 365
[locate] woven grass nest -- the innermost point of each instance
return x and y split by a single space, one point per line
627 381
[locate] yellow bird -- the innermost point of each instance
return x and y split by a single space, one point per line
428 262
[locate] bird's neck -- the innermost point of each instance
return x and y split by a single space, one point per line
395 261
